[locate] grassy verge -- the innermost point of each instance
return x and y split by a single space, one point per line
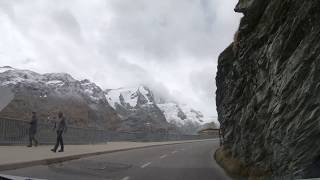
236 168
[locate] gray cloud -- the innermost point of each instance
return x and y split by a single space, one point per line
164 30
171 46
67 23
203 85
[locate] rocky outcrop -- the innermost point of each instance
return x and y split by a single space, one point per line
83 102
268 87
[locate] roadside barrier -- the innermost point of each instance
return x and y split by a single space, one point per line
13 131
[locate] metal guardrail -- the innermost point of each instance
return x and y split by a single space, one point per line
13 131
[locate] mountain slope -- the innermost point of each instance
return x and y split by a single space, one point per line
138 104
83 102
185 118
87 105
137 109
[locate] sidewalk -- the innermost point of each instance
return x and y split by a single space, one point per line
14 157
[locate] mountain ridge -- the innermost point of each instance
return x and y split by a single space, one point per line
82 101
130 109
182 119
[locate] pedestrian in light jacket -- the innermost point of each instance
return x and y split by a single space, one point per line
33 130
62 128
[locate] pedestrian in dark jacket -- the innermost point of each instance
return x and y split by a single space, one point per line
62 127
33 130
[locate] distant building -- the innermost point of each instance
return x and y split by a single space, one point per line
209 131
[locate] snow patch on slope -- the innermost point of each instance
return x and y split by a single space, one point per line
5 68
181 115
192 114
55 83
171 112
94 92
61 83
128 95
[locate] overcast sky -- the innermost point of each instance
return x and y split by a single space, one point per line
170 45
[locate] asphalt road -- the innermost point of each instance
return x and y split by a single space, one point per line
189 161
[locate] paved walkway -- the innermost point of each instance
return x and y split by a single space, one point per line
13 157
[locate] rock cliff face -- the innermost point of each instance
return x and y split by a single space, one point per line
268 96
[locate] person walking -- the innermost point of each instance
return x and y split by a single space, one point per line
62 128
33 130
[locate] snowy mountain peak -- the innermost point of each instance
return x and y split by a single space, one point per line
51 83
5 68
12 76
143 90
129 97
180 115
141 99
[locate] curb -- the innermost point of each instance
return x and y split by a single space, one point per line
49 161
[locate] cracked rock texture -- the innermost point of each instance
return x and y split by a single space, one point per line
268 86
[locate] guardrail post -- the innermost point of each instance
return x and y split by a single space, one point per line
3 129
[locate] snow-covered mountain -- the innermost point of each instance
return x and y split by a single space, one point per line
184 117
82 101
137 108
181 114
87 105
127 101
129 97
51 83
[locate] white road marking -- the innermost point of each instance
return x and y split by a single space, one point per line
145 165
163 156
173 152
126 178
17 177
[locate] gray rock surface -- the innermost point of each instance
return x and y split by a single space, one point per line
268 86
